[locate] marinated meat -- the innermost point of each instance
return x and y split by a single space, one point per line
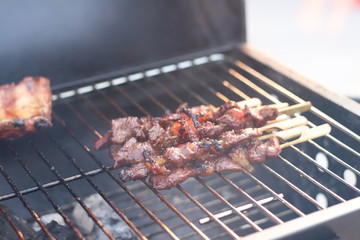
25 107
186 124
196 141
237 159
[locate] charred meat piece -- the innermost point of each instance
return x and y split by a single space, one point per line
196 141
131 152
186 152
247 117
25 107
186 125
181 174
125 128
137 171
238 159
177 176
258 151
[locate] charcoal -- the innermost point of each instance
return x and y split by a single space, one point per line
57 231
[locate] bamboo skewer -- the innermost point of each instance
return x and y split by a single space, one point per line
309 134
303 134
297 108
284 124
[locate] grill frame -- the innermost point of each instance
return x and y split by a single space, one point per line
340 218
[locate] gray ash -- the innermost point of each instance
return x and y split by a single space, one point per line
118 228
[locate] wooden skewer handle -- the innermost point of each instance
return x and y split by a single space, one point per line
285 124
311 133
297 108
287 134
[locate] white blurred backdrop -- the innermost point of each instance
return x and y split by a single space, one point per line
318 38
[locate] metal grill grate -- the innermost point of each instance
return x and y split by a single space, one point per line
49 171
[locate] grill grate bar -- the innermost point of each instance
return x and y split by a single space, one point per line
267 95
26 204
261 91
348 148
10 221
94 108
216 78
212 216
237 75
242 215
294 97
152 98
207 87
50 184
122 185
272 216
266 211
293 186
133 227
174 209
165 89
269 189
98 190
302 173
260 221
112 103
73 193
47 195
128 97
332 174
194 94
252 200
328 153
146 112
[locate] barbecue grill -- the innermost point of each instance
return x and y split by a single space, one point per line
121 58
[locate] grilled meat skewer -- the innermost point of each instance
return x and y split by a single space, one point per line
198 141
186 124
238 159
134 152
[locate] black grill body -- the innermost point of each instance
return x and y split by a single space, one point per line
138 58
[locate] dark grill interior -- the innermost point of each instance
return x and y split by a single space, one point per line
55 170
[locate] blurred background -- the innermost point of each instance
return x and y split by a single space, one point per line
318 38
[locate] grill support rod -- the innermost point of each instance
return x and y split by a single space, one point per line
87 149
296 98
26 204
248 220
47 195
10 221
212 216
72 192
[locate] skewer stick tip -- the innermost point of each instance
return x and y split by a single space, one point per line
309 134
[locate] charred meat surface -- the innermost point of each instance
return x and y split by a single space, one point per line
195 141
25 107
239 159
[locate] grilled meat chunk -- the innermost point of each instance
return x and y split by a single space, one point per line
25 107
196 141
186 152
238 159
131 152
259 151
137 171
181 174
186 125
